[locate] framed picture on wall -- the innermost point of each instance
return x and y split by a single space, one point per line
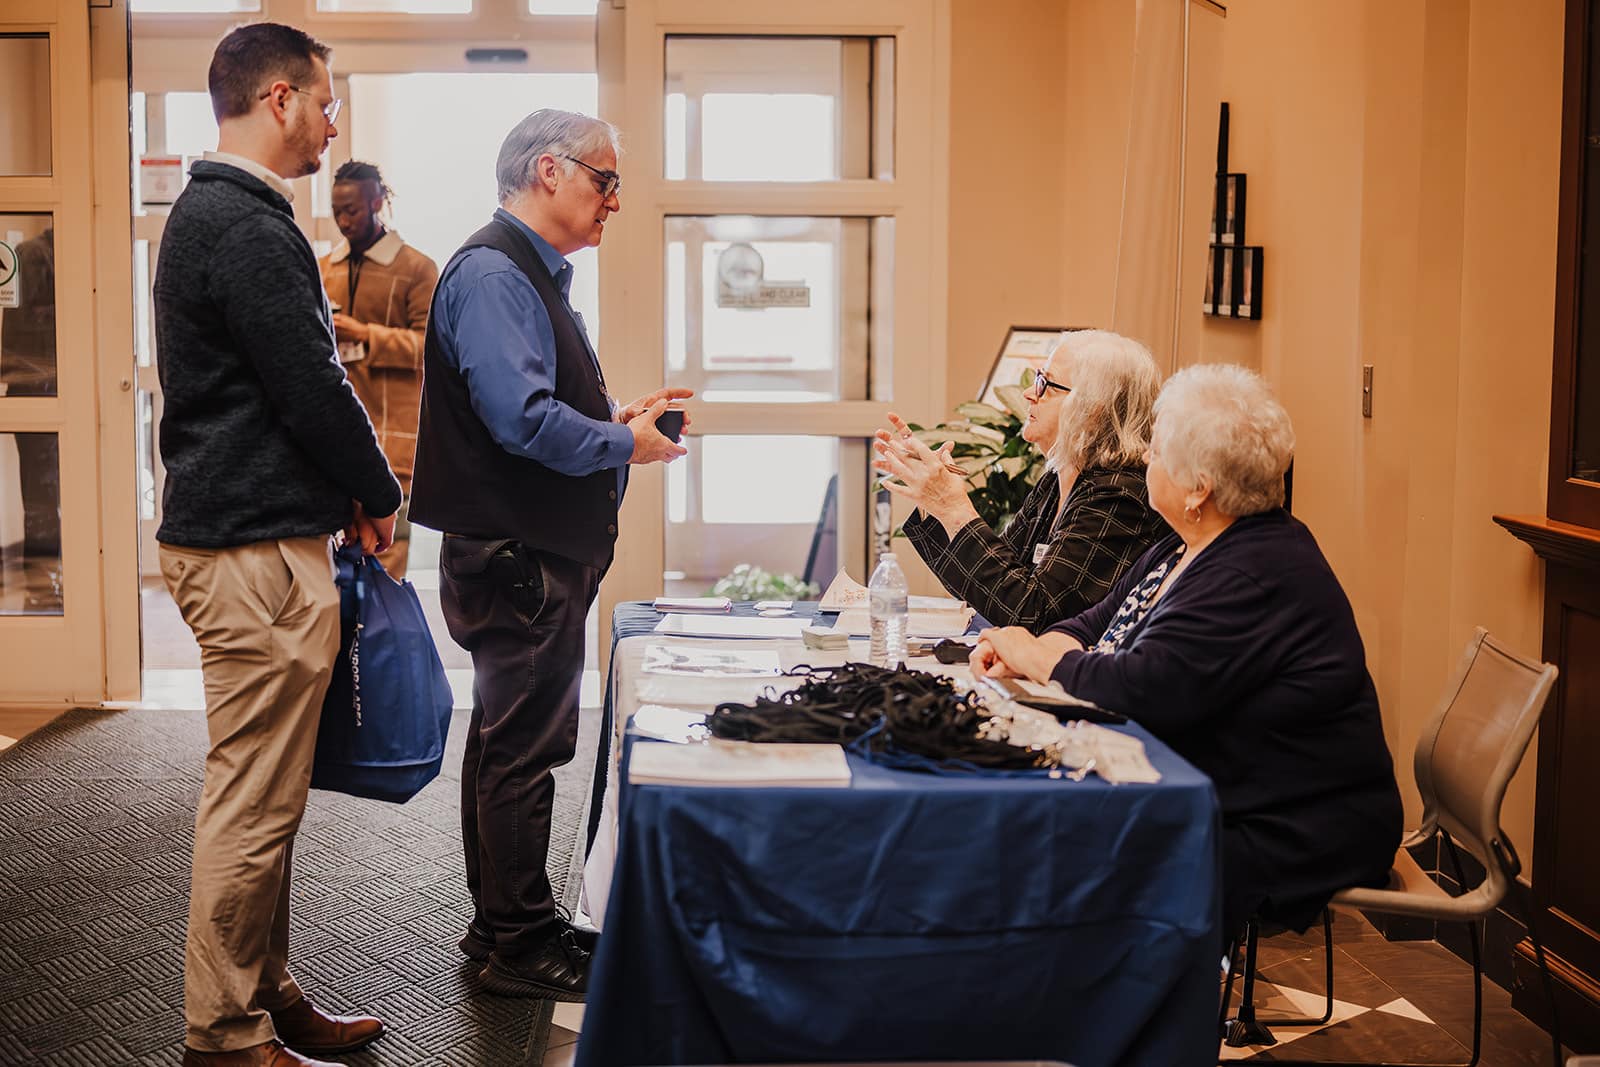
1025 349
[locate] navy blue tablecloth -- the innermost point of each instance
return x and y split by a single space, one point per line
912 917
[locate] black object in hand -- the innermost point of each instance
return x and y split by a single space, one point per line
670 423
948 651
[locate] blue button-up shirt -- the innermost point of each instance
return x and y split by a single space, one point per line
494 329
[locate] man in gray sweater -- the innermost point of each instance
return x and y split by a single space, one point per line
268 453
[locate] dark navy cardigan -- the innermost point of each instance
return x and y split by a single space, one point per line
1250 666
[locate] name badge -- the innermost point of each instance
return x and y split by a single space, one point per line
1039 553
352 352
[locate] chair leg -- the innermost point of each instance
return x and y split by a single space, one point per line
1243 1029
1477 999
1477 954
1227 987
1327 1002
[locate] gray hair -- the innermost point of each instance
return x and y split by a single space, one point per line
554 133
1106 422
1220 423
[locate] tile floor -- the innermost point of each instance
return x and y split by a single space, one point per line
1395 1000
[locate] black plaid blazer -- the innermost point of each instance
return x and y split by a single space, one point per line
1106 525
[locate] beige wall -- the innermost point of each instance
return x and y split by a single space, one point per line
1403 177
1402 163
1007 142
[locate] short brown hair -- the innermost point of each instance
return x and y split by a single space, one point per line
252 57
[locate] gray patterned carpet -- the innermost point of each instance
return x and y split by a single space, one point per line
96 827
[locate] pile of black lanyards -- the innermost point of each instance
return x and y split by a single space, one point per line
900 718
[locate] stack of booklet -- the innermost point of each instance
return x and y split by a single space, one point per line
930 616
682 675
739 763
693 603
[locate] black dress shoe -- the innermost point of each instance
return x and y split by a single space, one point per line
478 943
558 971
587 937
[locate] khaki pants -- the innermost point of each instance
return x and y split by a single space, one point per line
267 619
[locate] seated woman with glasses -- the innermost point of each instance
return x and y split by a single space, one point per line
1085 522
1233 642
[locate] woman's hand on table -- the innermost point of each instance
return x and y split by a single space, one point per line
923 476
1013 652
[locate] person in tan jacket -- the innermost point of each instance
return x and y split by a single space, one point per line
380 288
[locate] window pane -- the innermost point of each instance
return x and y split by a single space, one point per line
562 7
726 506
143 310
25 99
198 7
777 309
779 109
399 7
444 183
191 127
30 524
27 305
145 443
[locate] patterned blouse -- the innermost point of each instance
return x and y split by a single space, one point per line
1136 606
1045 566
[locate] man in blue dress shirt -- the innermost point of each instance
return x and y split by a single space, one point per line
522 460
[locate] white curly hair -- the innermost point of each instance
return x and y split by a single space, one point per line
1219 424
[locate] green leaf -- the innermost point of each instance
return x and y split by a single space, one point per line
1012 396
1014 466
982 414
935 437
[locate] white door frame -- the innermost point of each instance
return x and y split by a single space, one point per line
89 654
631 50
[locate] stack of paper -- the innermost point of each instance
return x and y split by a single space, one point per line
684 676
689 658
931 616
739 763
693 603
729 626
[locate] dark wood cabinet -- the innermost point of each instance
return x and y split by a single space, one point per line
1566 850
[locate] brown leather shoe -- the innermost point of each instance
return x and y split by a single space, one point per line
302 1026
271 1054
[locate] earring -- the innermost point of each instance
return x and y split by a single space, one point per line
1192 513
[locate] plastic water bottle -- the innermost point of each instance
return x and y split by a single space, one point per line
886 605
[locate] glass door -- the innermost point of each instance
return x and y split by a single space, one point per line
780 256
68 630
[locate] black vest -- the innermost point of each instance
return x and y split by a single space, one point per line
465 483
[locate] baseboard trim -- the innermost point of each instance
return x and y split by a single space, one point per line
1577 996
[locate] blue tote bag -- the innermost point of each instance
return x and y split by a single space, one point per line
387 712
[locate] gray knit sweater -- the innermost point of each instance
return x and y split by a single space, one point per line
261 434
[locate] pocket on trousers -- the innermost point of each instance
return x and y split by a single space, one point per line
283 603
467 558
527 587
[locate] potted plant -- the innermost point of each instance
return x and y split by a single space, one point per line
1001 467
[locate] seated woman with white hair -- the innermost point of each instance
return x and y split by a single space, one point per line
1085 522
1233 642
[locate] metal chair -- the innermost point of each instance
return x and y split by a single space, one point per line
1464 761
